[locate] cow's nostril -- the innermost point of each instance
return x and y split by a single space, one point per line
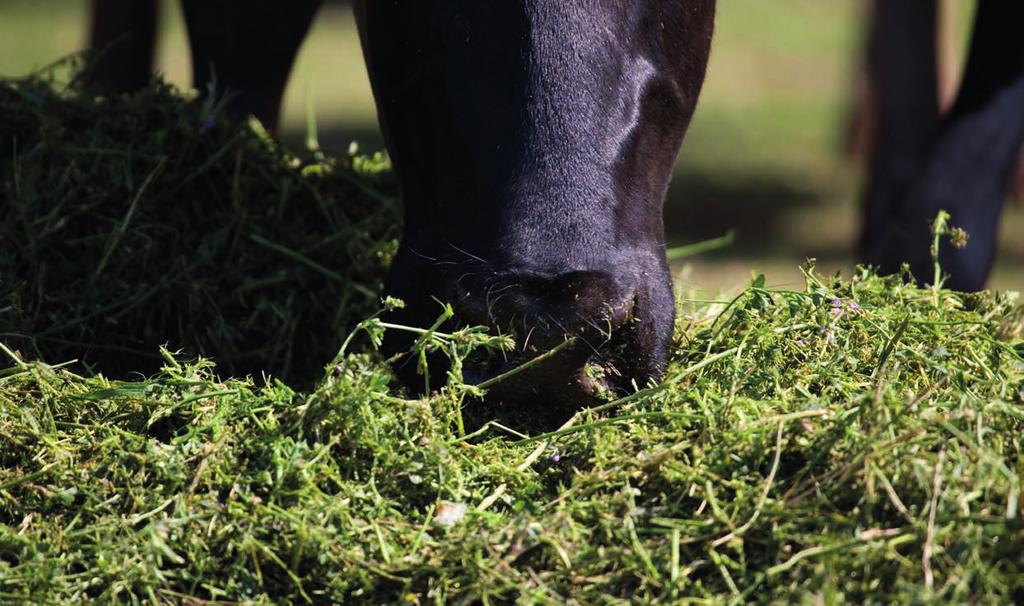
581 303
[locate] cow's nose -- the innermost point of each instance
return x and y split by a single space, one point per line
564 304
590 308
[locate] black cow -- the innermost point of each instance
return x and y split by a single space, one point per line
534 141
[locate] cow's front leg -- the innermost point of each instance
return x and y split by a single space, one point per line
122 36
244 50
971 161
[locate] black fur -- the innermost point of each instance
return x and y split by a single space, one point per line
534 142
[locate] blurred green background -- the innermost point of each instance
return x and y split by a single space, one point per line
764 155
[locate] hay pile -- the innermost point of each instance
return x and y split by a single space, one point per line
144 220
855 441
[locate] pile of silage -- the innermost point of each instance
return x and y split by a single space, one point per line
142 220
854 441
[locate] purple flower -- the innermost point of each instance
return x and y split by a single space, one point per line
837 306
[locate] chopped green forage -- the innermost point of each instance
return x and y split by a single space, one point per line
853 441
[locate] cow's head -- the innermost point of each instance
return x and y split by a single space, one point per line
534 141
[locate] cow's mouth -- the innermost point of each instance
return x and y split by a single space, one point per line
566 373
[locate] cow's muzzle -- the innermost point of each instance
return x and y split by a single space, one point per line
576 332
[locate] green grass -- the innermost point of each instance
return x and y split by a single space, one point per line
839 441
854 441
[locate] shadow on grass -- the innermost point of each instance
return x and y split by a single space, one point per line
702 205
